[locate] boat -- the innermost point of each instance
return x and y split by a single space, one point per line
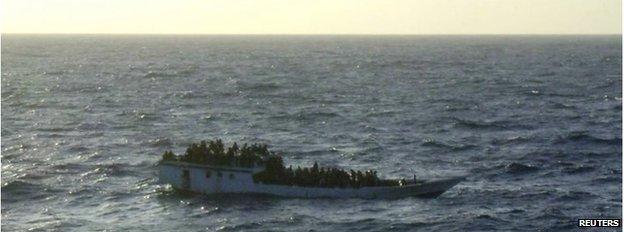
209 167
215 179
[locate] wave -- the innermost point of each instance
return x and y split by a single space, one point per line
155 74
69 168
575 196
504 170
186 95
114 169
90 126
364 224
552 213
147 116
500 124
578 169
65 225
54 129
83 191
517 168
317 115
388 113
409 226
239 227
19 186
17 190
305 116
54 73
546 74
558 105
510 140
138 115
314 152
608 179
77 149
564 94
160 142
537 194
280 117
436 144
514 211
52 135
487 217
258 87
583 136
366 128
117 169
16 147
456 108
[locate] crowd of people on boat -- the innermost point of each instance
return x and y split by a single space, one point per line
276 173
214 153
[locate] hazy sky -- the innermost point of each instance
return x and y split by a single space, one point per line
313 16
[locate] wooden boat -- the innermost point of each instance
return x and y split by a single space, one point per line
211 179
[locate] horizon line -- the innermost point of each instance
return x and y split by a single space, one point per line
318 34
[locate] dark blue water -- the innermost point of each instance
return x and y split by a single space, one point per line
535 123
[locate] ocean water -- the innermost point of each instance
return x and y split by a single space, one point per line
534 122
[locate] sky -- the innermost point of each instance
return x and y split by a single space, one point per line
312 16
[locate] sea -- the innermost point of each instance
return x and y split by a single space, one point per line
533 122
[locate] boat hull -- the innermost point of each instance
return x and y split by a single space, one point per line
427 190
217 180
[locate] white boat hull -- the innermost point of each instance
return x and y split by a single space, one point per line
214 180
